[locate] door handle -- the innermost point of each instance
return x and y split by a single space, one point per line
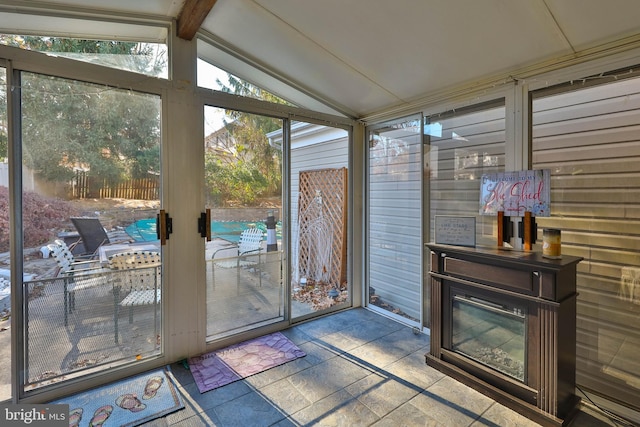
204 224
164 226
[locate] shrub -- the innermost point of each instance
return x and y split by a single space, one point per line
238 183
43 217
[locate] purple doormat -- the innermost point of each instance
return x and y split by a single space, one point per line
129 402
233 363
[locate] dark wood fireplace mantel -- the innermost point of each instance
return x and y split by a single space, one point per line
545 289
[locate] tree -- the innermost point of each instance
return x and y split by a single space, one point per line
68 124
255 169
138 57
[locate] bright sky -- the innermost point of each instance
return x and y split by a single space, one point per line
207 75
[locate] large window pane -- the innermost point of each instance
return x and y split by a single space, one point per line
93 153
462 146
212 77
395 219
588 138
319 220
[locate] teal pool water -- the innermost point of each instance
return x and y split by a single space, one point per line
144 230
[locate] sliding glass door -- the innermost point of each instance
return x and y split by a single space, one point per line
243 194
246 194
92 274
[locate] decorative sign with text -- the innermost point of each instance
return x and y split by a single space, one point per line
455 230
515 193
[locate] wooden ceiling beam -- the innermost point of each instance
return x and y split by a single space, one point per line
192 16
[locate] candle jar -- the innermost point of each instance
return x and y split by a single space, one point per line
551 243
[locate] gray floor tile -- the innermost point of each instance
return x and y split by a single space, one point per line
356 335
382 393
452 403
158 422
285 396
338 409
414 370
296 335
191 408
390 348
498 415
199 421
287 422
361 369
350 317
277 373
210 399
328 377
318 352
407 415
405 341
251 409
320 327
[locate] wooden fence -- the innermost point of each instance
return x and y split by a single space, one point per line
85 186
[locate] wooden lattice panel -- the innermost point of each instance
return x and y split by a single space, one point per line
331 185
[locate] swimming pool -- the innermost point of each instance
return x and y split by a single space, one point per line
144 230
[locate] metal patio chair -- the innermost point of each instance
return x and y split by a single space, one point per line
249 245
78 275
139 282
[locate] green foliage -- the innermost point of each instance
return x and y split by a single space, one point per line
53 44
243 88
3 145
235 183
132 56
67 124
251 168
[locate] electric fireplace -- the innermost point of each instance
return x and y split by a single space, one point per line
503 322
489 332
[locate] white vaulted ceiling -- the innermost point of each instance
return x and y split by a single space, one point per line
361 57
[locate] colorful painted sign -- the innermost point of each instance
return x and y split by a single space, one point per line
515 193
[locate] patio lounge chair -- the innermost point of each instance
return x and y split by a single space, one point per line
140 282
78 275
92 234
250 244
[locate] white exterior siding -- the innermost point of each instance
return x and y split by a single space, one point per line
589 140
328 154
395 221
313 147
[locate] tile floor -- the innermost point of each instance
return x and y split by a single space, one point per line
361 369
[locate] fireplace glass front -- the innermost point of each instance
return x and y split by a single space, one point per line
491 333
